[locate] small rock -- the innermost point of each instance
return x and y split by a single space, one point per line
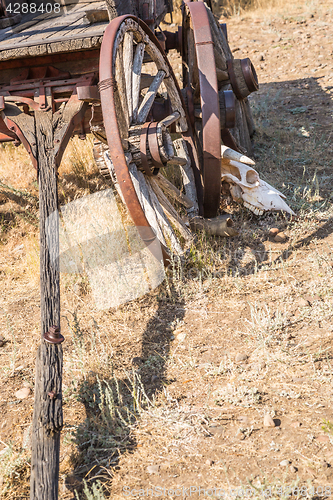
293 469
268 421
284 463
261 57
325 465
280 238
241 357
299 380
240 435
323 439
303 302
153 469
274 231
2 340
209 462
137 360
26 439
19 248
181 336
22 393
216 430
243 419
295 425
72 483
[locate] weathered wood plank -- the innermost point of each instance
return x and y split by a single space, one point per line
86 40
36 21
170 212
52 25
48 418
187 175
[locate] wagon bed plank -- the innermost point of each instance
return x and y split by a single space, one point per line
57 33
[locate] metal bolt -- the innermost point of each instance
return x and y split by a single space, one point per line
52 395
53 336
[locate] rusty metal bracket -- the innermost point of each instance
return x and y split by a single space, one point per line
173 40
153 147
22 125
230 115
88 93
17 99
72 115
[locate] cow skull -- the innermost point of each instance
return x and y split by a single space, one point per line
245 184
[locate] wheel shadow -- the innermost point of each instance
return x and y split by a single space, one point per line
113 405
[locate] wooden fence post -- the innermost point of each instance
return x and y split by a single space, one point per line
48 418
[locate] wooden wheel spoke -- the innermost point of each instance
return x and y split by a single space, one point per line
136 78
128 62
121 96
149 98
169 120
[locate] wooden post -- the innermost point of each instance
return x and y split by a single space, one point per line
48 418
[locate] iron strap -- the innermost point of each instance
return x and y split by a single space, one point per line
210 106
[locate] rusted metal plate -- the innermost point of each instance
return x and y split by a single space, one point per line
210 107
89 93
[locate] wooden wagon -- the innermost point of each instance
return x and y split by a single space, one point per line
102 67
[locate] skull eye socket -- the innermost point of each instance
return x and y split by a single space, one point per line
235 172
251 177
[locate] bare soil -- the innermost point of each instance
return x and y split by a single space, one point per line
242 330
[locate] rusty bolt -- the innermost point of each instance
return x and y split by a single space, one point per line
53 336
52 395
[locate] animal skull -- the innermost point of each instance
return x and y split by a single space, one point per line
245 184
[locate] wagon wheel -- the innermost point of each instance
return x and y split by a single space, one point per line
233 75
139 149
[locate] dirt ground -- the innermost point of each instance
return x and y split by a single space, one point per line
169 393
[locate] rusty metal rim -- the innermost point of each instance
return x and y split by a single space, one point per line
230 114
250 75
112 131
210 106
